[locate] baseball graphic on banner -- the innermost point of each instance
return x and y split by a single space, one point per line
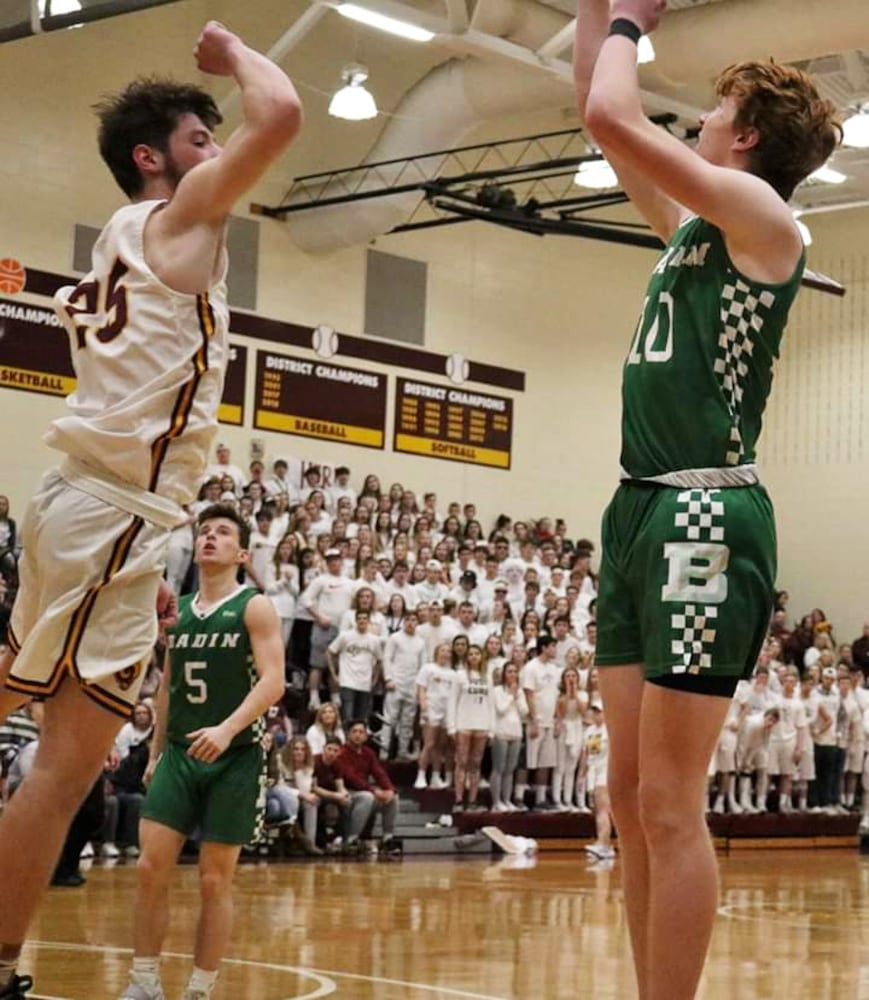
325 341
458 368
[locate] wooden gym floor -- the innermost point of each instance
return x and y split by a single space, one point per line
793 924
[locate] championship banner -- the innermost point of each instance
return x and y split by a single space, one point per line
34 350
319 399
459 425
231 409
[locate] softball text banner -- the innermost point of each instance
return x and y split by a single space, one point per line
460 425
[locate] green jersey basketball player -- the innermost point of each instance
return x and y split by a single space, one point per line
689 561
224 669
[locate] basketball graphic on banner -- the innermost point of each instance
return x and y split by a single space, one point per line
12 276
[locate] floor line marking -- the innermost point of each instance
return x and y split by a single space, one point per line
322 975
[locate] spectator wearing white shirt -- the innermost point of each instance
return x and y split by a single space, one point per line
570 710
752 757
262 551
466 590
364 600
353 660
431 588
281 584
826 699
724 758
369 576
595 758
341 489
434 690
849 737
403 658
224 467
540 680
399 583
477 634
805 771
327 598
564 641
470 718
510 708
327 722
789 740
439 628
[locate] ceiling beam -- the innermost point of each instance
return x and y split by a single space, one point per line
457 16
559 41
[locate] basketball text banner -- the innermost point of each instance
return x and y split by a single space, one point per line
319 399
460 425
34 352
231 409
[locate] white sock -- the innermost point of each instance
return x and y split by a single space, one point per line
314 699
540 794
202 981
146 971
519 793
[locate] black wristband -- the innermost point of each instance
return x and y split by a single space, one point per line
626 28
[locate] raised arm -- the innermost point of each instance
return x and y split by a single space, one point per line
272 116
592 27
757 223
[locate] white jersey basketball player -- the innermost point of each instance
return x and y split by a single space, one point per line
147 330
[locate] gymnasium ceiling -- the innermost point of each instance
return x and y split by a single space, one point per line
500 41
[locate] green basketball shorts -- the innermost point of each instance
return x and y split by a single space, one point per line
221 800
686 583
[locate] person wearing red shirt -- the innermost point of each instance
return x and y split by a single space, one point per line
363 774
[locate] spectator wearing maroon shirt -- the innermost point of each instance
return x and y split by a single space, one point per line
355 807
363 774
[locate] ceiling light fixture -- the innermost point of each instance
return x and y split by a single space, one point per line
856 129
827 175
353 102
404 29
597 175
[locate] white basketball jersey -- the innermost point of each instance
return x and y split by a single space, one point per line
149 363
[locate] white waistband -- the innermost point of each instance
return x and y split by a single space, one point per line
738 475
123 495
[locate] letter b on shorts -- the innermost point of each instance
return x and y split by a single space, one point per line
696 572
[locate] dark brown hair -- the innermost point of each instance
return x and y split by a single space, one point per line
146 111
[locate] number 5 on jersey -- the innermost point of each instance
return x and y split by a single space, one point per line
197 688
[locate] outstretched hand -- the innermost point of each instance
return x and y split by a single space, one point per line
644 13
167 608
214 49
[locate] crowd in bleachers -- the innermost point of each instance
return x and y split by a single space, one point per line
415 633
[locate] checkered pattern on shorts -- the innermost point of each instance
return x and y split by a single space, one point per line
742 318
700 515
695 628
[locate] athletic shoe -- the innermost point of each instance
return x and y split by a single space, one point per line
600 851
483 783
458 807
87 851
14 989
108 850
135 991
718 808
71 881
132 851
420 782
501 807
520 807
864 824
437 783
476 807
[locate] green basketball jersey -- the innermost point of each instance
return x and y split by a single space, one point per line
212 667
699 370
